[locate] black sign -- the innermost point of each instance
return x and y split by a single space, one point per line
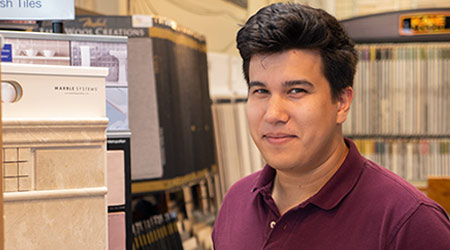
98 25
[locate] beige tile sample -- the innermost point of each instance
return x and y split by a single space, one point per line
10 184
10 154
25 183
10 169
54 159
56 224
25 168
24 154
67 168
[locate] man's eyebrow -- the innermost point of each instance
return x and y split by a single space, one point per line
256 84
297 82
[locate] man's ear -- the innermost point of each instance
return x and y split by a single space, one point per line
344 101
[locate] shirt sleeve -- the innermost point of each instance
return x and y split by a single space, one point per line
427 228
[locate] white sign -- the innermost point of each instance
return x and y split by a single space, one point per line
37 10
142 21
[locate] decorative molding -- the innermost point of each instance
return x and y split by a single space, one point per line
55 194
54 132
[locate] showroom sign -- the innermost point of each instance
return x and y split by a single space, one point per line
37 10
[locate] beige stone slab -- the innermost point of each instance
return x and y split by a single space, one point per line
56 224
69 168
10 184
25 168
24 154
10 154
10 169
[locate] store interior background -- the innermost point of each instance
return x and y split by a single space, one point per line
218 21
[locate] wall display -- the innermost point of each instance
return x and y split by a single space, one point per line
399 116
102 54
401 89
184 132
147 146
237 154
86 51
107 53
54 157
228 151
38 51
159 160
113 56
413 159
183 100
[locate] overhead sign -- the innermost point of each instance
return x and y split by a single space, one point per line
101 25
424 24
37 10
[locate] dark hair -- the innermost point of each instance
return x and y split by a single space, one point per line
283 26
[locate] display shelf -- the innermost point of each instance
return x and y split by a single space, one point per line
399 116
149 186
53 58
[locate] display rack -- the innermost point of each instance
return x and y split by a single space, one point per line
399 116
120 142
89 52
237 154
172 142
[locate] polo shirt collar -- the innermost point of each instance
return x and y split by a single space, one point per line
334 190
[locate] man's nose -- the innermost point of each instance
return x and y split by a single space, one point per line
276 111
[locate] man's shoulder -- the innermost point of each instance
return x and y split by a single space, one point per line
388 187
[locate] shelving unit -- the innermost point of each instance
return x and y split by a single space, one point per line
399 116
237 155
54 58
172 138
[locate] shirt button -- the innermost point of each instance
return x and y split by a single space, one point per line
272 224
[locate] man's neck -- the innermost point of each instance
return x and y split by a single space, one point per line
290 190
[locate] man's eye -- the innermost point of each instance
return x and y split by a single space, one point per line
260 91
297 90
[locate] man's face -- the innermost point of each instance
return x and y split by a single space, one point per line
291 115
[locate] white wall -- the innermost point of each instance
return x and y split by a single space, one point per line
217 20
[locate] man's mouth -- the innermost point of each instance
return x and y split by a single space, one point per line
278 138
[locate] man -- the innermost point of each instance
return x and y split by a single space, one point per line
316 191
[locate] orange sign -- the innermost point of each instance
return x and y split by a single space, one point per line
424 24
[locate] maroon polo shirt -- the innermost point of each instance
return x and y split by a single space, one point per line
363 206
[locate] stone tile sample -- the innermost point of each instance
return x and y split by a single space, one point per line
54 149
